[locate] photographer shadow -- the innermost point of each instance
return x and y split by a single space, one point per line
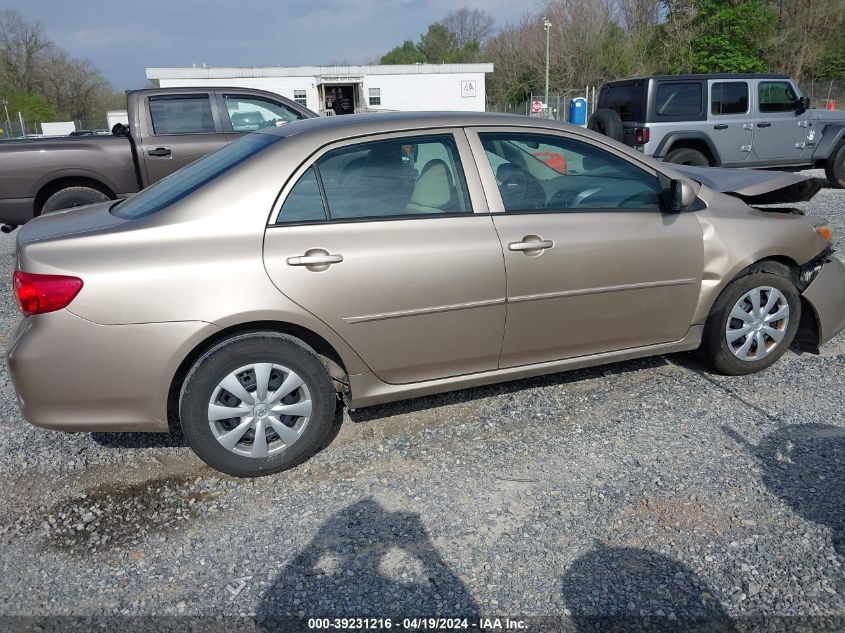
366 562
612 589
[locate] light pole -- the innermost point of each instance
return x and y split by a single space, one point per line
547 27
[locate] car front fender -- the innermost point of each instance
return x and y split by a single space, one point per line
826 295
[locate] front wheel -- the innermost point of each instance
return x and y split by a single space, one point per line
257 404
751 324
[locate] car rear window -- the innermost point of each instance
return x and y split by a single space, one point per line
626 99
678 100
188 179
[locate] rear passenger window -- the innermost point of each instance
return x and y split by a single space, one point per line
304 202
729 97
626 99
678 100
184 114
399 177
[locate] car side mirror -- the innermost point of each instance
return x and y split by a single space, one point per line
802 104
681 196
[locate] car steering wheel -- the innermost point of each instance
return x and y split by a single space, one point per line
517 180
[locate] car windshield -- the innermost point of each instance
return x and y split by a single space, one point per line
187 180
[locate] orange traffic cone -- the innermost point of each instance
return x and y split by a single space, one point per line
831 105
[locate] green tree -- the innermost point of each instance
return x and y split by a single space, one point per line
730 35
34 108
438 45
408 53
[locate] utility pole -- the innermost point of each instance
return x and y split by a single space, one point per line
547 26
23 128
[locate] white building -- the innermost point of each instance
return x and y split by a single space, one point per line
345 88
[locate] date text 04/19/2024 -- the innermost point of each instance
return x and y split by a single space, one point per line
430 624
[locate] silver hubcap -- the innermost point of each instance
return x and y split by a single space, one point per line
259 410
757 323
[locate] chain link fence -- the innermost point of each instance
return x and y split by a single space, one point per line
557 107
824 93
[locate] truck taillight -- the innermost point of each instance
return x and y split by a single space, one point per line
37 294
642 135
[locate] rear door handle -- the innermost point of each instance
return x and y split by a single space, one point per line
721 126
531 246
764 124
160 152
314 260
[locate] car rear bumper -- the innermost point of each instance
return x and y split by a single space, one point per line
74 375
16 210
826 294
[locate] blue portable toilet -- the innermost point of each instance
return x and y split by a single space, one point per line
578 111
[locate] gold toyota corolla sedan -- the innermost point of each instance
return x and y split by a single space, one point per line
379 257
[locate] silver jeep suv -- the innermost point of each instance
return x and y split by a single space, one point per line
727 120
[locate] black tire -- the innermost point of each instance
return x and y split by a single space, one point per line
834 167
73 197
715 351
240 351
687 156
608 122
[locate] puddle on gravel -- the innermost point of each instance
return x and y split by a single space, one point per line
114 515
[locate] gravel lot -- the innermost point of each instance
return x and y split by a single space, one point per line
642 494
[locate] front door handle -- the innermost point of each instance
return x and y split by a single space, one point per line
721 126
764 124
160 152
531 245
315 260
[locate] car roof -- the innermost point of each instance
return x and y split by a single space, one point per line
373 123
701 76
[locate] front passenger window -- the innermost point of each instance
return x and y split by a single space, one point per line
537 172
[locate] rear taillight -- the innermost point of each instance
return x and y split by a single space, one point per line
642 135
38 294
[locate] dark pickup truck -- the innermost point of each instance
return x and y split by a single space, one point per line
168 128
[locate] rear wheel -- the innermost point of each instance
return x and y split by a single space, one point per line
687 156
751 325
258 404
73 197
835 167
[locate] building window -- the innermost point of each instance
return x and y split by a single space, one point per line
375 96
300 97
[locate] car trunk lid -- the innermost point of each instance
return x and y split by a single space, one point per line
61 224
755 186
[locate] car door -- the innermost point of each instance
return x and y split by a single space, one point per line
593 264
182 128
778 128
388 240
244 113
731 120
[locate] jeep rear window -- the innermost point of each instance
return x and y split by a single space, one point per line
678 100
626 99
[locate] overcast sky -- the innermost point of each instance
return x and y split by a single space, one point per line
123 38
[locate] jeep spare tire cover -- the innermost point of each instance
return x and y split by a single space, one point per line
608 122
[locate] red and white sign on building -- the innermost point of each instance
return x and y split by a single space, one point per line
468 88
